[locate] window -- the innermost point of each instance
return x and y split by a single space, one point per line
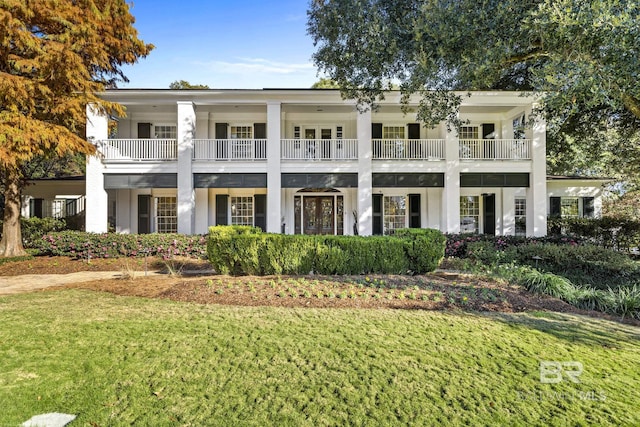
395 213
468 132
393 132
166 215
569 207
521 216
469 214
165 132
241 132
242 210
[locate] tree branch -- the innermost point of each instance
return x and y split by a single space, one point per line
632 104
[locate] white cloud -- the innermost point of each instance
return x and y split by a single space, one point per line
257 65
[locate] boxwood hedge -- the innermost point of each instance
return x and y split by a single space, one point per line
234 250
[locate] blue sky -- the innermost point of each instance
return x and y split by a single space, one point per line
223 44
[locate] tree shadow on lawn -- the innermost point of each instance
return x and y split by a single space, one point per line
574 328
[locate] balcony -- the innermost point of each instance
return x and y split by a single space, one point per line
408 149
319 149
495 149
230 149
139 149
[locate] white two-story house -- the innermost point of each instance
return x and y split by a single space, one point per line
309 162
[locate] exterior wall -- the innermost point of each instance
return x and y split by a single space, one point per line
578 188
197 115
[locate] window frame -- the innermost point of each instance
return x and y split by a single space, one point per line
171 226
397 220
249 217
173 131
473 211
520 218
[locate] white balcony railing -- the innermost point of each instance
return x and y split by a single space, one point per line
495 149
408 149
139 149
319 149
229 149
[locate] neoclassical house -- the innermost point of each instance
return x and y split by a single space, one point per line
307 161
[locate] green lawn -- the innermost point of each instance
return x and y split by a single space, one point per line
117 361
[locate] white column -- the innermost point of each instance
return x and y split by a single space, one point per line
537 194
123 211
274 181
186 195
451 192
508 211
365 174
96 203
202 210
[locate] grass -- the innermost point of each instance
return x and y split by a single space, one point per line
120 361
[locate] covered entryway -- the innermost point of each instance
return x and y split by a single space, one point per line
319 211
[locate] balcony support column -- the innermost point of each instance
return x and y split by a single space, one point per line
537 194
450 222
365 174
274 193
186 195
96 204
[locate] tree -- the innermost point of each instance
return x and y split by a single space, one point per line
582 57
183 84
55 56
324 83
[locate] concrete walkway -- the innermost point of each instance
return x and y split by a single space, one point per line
32 282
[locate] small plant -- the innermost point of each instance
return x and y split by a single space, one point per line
209 283
425 297
412 296
282 294
219 291
401 295
319 295
128 271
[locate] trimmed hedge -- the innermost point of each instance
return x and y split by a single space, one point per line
250 252
458 244
79 244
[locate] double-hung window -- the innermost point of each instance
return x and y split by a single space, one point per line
166 215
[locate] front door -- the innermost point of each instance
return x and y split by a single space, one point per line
319 215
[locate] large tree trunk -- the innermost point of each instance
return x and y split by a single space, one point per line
11 243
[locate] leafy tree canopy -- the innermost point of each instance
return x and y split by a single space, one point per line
583 56
55 56
183 84
324 83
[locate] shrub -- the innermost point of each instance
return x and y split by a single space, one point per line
34 228
78 244
609 232
254 253
424 246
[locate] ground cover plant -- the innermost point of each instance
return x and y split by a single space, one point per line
117 360
583 275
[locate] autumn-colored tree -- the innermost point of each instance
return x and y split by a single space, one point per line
55 56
